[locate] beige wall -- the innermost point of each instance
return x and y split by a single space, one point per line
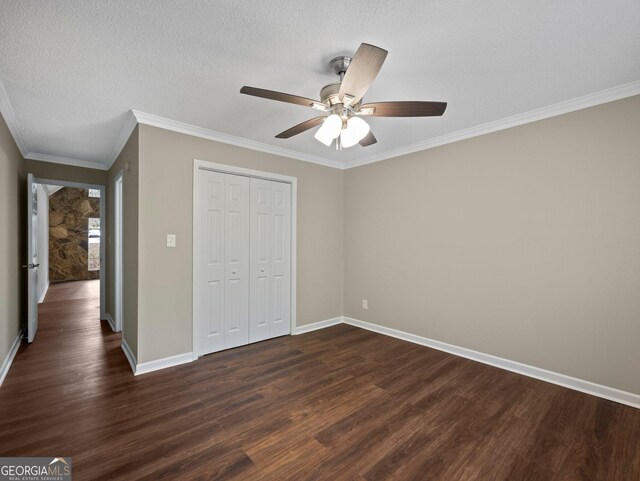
166 204
127 163
523 244
70 173
12 254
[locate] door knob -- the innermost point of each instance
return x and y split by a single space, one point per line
31 265
233 273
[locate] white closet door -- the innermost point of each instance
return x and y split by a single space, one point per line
222 272
260 260
209 271
237 209
280 259
270 311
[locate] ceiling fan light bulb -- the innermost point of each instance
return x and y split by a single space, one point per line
333 124
323 136
348 139
329 130
357 129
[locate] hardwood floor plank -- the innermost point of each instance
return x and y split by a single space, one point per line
338 404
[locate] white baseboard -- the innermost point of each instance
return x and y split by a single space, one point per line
44 293
612 394
130 356
156 365
164 363
317 325
111 322
6 363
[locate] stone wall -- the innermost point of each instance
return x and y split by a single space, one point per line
69 211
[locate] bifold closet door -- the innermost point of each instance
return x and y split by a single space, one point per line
222 272
270 241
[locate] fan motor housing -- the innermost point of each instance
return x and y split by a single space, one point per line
329 95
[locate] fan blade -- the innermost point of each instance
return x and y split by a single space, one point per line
369 139
362 71
298 129
282 97
404 109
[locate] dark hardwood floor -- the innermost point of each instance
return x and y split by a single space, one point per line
336 404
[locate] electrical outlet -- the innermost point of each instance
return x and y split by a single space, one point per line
171 240
365 304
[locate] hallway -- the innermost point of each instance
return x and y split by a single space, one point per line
70 336
59 381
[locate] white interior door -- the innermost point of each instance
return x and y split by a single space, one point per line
270 301
221 243
32 258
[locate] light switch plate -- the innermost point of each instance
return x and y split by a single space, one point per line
365 304
171 240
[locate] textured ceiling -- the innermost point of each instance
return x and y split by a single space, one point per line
74 69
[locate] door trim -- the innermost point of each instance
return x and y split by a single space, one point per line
103 232
258 174
118 195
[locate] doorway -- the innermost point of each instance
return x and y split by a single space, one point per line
66 233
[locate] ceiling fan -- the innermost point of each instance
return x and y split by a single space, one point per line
342 101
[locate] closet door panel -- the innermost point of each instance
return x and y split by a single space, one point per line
280 259
260 250
210 278
237 231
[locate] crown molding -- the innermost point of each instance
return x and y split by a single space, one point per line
6 109
597 98
136 116
123 137
183 128
64 160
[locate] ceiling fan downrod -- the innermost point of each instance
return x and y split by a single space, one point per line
339 65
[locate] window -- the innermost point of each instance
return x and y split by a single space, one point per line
93 229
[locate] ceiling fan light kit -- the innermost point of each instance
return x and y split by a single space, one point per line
343 102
